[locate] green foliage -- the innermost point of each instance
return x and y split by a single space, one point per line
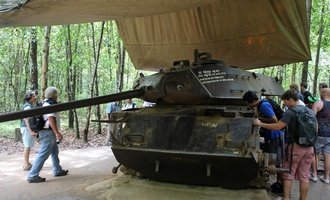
15 67
316 19
7 129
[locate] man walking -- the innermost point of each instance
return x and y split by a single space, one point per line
48 139
112 127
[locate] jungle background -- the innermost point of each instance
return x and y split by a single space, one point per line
88 60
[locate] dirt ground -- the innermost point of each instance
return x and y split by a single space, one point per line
90 178
86 166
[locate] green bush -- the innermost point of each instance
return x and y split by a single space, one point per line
7 129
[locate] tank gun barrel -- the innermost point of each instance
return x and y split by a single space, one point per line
72 105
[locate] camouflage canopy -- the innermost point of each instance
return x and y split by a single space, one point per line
243 33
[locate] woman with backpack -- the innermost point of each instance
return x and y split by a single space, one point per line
28 136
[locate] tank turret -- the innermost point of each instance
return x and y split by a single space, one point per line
205 82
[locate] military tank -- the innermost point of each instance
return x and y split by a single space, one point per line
199 131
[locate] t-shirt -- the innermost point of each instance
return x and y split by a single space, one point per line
26 106
112 107
300 96
323 118
266 110
56 115
306 94
129 106
289 115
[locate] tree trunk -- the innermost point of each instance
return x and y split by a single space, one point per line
74 84
12 76
98 109
10 81
121 65
317 57
304 71
69 72
294 71
77 124
96 59
17 75
45 60
34 62
18 135
26 68
110 45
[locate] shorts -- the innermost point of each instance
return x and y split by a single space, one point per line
301 162
28 139
275 147
322 145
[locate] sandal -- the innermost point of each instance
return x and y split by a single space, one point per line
27 167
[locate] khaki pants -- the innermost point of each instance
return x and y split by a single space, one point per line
112 131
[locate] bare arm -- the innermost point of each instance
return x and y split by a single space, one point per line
273 126
26 120
52 124
268 120
317 106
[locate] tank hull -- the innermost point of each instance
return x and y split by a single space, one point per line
189 167
203 145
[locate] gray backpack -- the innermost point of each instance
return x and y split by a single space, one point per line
303 130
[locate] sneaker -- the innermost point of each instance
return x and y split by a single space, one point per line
62 173
37 179
326 181
313 178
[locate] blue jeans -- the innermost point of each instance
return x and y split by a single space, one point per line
48 147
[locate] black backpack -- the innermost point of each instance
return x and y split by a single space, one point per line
276 108
303 130
37 123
